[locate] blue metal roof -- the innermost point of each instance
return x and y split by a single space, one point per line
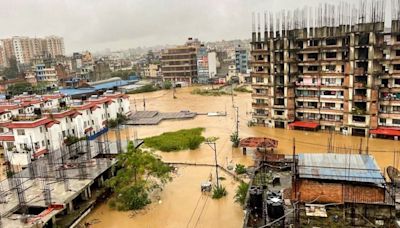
345 167
94 88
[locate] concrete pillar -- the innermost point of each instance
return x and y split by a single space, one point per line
100 181
89 192
70 207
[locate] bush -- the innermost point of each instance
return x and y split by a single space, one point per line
242 89
209 92
144 89
178 140
241 193
235 139
167 85
240 169
219 192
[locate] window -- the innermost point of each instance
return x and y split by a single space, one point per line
315 68
396 108
329 105
396 66
313 43
330 67
382 120
330 55
398 38
396 121
41 130
397 52
20 131
331 41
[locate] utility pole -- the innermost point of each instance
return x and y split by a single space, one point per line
237 120
233 102
173 90
144 104
213 145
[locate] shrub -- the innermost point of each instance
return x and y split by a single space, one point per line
235 139
167 85
240 169
241 193
219 192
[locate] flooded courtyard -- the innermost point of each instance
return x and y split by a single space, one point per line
181 202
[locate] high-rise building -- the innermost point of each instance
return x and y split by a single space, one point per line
179 64
344 78
212 64
202 65
24 49
241 59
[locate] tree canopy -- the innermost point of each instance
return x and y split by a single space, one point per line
140 172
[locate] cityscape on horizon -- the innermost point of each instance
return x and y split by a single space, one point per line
152 114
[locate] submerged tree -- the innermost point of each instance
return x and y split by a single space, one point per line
241 193
235 139
140 173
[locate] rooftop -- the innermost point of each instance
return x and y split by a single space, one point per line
344 167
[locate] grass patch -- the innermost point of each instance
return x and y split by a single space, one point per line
209 92
177 140
242 89
144 89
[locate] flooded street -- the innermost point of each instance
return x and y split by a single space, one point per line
180 198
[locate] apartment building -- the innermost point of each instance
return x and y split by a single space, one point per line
24 49
344 78
46 74
179 64
202 65
31 125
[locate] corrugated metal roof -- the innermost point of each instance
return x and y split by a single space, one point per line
346 167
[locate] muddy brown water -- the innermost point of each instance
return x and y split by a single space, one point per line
181 203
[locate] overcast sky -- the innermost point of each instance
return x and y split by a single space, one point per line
122 24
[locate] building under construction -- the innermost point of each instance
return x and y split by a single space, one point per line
332 67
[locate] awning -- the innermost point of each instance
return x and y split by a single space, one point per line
40 152
303 124
88 129
7 138
385 131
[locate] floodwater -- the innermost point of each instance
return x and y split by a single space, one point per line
181 197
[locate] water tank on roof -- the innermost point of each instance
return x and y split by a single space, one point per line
275 205
256 199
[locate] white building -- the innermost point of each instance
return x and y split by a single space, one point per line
212 64
32 125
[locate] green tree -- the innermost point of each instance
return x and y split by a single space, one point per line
19 88
241 192
140 172
12 71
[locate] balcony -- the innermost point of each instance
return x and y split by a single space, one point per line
259 94
360 84
257 104
359 71
360 97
